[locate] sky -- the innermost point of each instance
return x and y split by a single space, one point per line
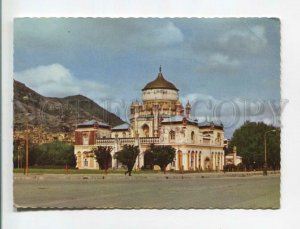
229 69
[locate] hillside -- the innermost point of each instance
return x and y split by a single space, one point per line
56 114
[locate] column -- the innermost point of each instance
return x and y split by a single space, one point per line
219 162
141 159
199 161
186 164
82 161
213 161
114 161
184 160
196 160
216 160
177 160
195 156
189 160
222 161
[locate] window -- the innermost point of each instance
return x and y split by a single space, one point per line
193 136
146 130
86 163
85 138
172 135
173 163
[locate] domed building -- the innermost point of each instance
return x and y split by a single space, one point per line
159 119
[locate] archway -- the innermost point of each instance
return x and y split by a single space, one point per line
192 160
148 160
207 163
179 160
145 128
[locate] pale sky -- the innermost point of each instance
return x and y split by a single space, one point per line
220 65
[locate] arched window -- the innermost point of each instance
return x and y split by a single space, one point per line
172 135
193 136
146 130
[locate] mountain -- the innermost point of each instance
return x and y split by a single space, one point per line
56 114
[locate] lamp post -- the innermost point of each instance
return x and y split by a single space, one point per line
19 152
25 98
265 173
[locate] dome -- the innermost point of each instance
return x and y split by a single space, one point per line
160 83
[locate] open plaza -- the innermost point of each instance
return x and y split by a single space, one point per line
148 190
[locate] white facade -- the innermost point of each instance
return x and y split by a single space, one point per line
159 119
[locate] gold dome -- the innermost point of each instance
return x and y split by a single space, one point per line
160 83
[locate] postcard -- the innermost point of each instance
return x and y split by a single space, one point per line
147 113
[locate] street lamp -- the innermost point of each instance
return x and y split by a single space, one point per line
26 98
265 173
19 152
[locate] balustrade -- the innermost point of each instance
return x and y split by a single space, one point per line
149 140
105 140
126 140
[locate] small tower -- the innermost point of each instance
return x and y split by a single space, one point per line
156 117
188 109
132 109
178 108
135 114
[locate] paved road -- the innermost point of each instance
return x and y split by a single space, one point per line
117 191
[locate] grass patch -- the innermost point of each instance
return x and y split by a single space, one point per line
63 171
59 170
81 171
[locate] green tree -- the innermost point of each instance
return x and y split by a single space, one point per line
50 154
19 153
249 140
162 155
127 156
56 153
103 157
